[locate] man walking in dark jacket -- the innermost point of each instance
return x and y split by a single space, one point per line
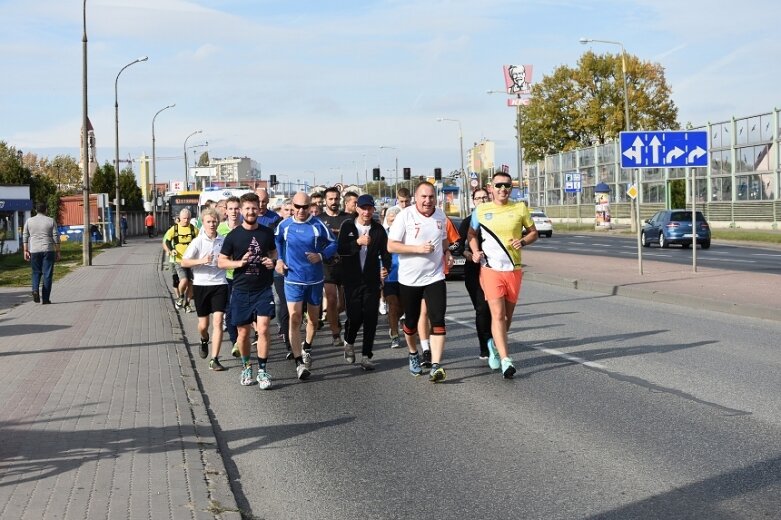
363 247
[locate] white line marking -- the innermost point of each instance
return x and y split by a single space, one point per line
764 254
549 351
733 260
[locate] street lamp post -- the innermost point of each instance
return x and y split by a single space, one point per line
463 173
635 220
86 251
518 102
118 201
186 167
396 173
154 167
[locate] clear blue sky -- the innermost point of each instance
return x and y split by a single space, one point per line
319 86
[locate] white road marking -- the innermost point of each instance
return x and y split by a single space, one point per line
733 260
765 254
549 351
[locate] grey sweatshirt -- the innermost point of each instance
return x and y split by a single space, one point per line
40 234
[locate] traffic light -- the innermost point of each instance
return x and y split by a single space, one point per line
407 174
376 174
273 180
437 174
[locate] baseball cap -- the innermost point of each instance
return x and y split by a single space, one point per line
365 200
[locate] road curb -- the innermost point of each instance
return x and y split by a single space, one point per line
683 300
222 500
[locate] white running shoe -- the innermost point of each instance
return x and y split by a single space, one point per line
302 372
264 380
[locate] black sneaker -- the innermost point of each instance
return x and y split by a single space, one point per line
215 365
204 350
425 360
36 297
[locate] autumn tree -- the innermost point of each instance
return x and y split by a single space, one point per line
575 107
203 160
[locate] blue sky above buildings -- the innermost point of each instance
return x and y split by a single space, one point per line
307 86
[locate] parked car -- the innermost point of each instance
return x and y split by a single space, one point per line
542 223
457 270
674 226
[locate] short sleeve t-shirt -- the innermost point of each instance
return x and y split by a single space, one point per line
499 225
180 237
201 247
413 228
260 243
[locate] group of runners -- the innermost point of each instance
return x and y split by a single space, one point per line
246 265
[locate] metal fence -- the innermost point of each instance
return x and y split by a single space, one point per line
738 187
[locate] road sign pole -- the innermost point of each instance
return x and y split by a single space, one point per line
694 219
639 227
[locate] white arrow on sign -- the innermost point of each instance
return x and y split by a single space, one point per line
635 152
695 154
672 155
655 144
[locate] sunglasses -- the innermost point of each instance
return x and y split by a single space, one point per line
480 198
503 185
301 206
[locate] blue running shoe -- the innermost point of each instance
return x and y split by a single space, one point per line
508 369
414 365
493 356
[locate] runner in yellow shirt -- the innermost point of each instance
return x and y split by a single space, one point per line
500 223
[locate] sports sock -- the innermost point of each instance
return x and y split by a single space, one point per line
262 363
245 360
424 344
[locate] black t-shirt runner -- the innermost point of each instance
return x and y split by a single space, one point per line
260 243
333 223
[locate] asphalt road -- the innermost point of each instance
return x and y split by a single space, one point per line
722 255
621 409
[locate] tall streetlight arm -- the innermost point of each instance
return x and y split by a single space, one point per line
86 245
396 173
154 166
186 167
464 189
118 200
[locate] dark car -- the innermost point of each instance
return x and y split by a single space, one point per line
457 270
674 226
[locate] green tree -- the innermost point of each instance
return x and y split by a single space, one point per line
203 160
103 180
576 107
12 171
129 190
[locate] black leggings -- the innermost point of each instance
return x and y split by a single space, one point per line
435 295
482 311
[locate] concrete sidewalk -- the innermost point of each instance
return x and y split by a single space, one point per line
742 293
102 416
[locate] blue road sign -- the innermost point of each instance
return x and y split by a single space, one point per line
667 149
573 182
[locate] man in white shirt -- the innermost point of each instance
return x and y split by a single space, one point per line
419 236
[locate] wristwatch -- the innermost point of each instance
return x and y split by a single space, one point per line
523 242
